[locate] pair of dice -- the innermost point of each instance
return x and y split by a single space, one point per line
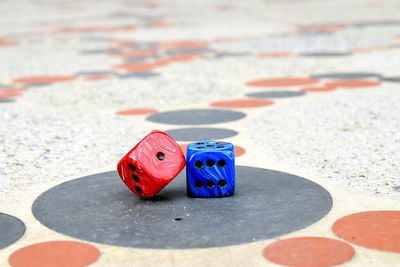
157 159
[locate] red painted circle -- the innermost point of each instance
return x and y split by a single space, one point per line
243 103
372 229
352 84
288 81
308 252
55 253
137 111
44 79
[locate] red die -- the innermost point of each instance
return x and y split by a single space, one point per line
151 164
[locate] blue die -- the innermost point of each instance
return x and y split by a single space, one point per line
210 169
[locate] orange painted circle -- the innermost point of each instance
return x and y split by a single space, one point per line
183 147
161 62
135 67
146 53
288 81
274 55
183 57
137 111
7 96
44 79
239 151
183 45
243 103
352 83
309 252
97 77
327 28
372 229
11 89
370 49
7 42
55 253
11 92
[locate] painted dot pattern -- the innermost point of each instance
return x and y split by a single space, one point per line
44 79
3 101
196 133
196 116
274 55
391 79
12 229
276 82
123 219
136 111
324 54
350 84
135 59
372 229
55 253
242 103
347 75
308 252
138 75
276 94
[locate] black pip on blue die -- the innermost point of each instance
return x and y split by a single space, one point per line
210 169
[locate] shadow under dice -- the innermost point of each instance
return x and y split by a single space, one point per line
151 164
210 169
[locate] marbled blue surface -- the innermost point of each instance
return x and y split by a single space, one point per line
210 169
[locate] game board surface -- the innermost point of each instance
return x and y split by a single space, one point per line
306 90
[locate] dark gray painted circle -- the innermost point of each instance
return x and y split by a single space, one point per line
196 116
192 51
99 208
37 84
136 59
11 229
8 100
100 51
324 54
347 75
392 79
276 94
196 134
376 23
141 75
94 73
227 54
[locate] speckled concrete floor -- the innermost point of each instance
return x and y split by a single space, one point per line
350 137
